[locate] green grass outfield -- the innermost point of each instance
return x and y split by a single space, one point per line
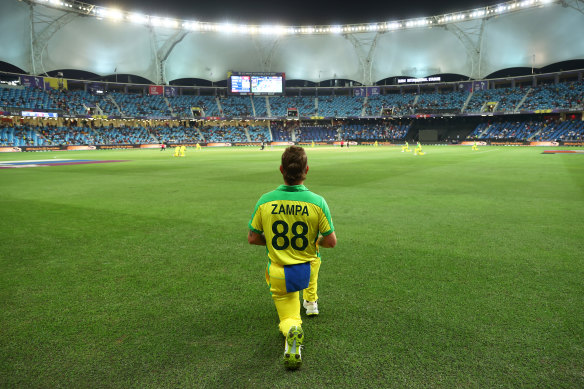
453 269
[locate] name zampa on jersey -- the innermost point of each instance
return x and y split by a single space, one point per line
289 209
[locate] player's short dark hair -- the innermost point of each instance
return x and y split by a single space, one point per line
294 162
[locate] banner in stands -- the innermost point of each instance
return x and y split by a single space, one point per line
573 143
55 83
547 144
367 143
479 85
32 82
218 144
77 148
10 149
97 88
366 91
282 144
170 91
156 90
471 143
154 146
246 144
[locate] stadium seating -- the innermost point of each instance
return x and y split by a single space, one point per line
141 105
224 134
28 98
369 132
530 131
507 99
280 133
182 105
556 96
451 101
236 106
180 134
259 104
401 104
280 104
258 133
316 133
340 106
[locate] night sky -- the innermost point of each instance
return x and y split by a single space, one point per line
293 12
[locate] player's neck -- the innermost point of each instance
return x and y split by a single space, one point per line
294 184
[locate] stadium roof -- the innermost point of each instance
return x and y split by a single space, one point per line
49 35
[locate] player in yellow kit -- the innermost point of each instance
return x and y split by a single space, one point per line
475 147
406 148
293 223
177 151
418 150
183 150
198 147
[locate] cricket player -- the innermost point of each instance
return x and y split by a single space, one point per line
198 147
177 151
475 147
294 224
418 150
406 148
183 150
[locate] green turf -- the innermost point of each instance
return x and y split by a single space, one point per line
453 269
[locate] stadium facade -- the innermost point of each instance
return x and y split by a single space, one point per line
50 35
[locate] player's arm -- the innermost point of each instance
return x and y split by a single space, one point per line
255 238
328 241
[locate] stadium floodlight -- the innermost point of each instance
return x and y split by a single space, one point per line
192 26
114 14
170 23
138 18
336 29
156 22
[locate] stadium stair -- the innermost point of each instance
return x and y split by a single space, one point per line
269 111
111 98
523 100
466 102
364 109
219 106
253 111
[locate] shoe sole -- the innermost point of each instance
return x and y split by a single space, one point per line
292 356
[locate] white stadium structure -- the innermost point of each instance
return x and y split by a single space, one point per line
40 36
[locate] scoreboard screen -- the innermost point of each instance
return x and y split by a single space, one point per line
266 84
240 84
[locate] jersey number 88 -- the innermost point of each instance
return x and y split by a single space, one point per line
296 235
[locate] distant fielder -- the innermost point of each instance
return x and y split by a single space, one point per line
406 148
475 147
288 221
418 150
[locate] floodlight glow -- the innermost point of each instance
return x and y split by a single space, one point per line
137 18
336 29
156 22
169 23
113 14
193 26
